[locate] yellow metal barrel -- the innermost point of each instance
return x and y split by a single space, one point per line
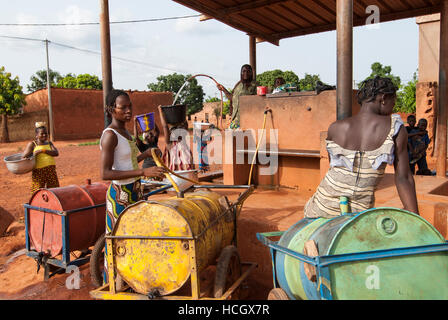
148 258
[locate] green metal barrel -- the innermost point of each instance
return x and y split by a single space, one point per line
410 276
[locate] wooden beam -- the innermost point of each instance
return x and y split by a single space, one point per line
259 40
205 17
253 55
357 22
251 5
232 22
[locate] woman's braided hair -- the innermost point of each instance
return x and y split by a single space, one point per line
370 88
111 98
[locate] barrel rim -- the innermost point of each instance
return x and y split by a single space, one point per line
15 155
151 202
350 221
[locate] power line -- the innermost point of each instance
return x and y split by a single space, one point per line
94 52
95 23
21 38
115 57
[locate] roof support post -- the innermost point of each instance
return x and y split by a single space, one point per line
443 92
253 54
106 64
344 30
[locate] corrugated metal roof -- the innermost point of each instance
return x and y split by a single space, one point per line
273 20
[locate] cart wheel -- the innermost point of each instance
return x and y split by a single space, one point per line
277 294
228 270
97 261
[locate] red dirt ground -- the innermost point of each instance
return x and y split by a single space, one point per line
18 277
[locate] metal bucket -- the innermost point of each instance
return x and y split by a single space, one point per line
84 227
17 165
417 276
181 183
153 251
175 114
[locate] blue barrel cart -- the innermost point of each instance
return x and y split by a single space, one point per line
380 253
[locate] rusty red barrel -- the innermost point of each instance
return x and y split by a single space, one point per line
84 226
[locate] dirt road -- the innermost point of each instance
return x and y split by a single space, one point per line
18 276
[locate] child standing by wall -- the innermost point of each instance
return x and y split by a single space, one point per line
412 131
420 141
44 173
201 139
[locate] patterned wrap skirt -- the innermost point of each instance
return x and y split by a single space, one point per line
45 177
118 197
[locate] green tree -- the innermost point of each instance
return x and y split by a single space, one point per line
308 83
82 81
406 96
212 99
217 113
377 69
39 80
11 100
192 94
267 78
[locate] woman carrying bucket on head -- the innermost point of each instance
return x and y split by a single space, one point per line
44 172
177 155
119 160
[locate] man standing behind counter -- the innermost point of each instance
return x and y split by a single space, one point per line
246 86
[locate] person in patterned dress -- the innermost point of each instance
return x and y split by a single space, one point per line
119 161
44 173
359 149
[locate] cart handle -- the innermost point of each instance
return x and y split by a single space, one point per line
323 261
263 238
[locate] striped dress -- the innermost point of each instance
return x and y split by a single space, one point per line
353 174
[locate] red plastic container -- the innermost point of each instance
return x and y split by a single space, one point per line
262 90
84 227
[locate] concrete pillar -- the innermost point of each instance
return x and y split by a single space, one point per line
106 63
344 30
443 91
253 54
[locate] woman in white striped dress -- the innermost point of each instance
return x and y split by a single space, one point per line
359 149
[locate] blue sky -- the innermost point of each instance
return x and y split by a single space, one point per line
185 46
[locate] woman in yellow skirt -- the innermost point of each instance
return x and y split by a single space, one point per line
44 172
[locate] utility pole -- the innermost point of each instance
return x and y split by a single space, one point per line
344 35
106 63
50 107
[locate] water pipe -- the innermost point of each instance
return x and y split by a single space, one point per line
200 75
258 145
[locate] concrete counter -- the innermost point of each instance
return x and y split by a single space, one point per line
293 135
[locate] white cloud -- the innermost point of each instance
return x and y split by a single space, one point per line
193 26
